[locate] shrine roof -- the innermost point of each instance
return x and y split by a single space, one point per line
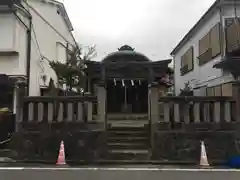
126 55
160 62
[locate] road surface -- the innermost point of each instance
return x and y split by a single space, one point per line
117 174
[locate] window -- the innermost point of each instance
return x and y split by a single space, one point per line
187 61
210 45
204 44
232 34
215 40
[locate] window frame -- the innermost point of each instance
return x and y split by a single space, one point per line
185 69
220 31
225 30
207 55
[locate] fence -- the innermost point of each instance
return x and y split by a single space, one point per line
178 124
196 109
170 112
58 109
43 122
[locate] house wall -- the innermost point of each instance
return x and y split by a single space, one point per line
50 38
8 34
13 38
205 75
49 33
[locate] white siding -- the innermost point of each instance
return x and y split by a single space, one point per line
13 38
61 53
7 30
201 75
21 45
49 31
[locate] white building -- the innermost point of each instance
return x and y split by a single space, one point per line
51 37
202 47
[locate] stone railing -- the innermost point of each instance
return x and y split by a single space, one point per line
61 109
196 109
43 122
58 109
178 124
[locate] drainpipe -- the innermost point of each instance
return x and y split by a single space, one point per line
29 39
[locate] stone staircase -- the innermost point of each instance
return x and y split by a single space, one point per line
128 139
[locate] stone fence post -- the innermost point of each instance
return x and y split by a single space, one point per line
236 96
154 110
101 97
19 95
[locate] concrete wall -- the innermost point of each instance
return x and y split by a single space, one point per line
12 37
50 36
204 75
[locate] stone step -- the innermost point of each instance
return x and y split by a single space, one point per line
128 121
127 116
128 128
127 134
127 146
128 139
6 154
128 154
145 119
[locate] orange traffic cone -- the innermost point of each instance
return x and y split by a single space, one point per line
203 158
61 156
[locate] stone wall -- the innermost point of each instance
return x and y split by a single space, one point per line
7 125
83 142
181 142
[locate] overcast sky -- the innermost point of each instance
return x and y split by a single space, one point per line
153 27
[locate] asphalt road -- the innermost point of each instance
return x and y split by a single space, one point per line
117 174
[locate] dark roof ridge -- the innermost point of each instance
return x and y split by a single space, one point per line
125 52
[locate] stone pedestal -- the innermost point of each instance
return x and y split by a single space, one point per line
101 96
18 104
153 110
236 96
